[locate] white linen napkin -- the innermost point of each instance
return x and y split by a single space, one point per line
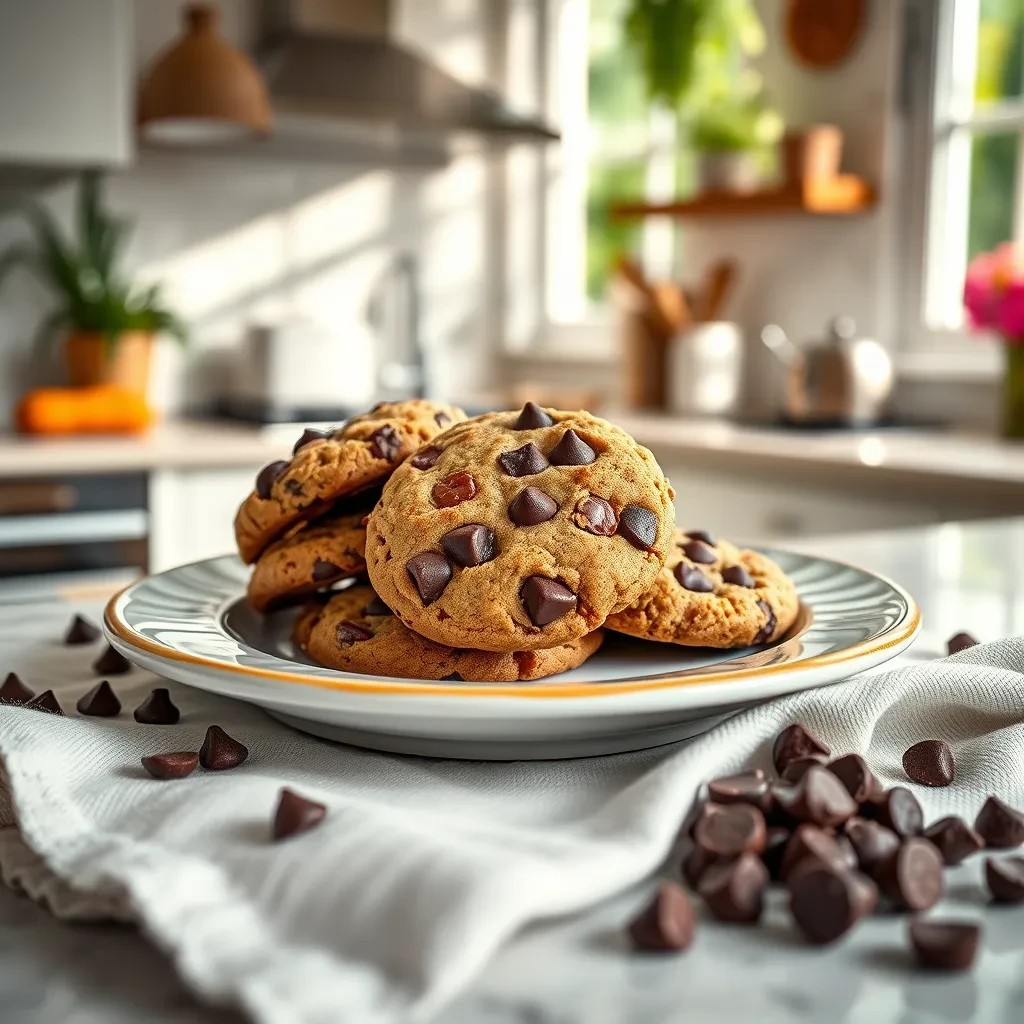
422 868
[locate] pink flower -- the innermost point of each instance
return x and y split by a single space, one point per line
1011 313
994 292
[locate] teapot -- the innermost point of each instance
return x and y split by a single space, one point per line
840 379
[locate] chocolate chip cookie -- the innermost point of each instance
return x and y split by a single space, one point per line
328 467
520 530
311 558
356 632
712 594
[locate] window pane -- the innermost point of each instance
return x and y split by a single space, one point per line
993 170
606 238
1000 69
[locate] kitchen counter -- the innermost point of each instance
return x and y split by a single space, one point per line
579 972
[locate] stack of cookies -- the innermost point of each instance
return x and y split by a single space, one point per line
434 547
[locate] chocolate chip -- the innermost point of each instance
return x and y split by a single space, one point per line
267 476
385 443
14 691
100 702
472 544
453 678
1005 879
912 876
728 831
175 765
295 814
960 642
702 535
81 631
157 709
693 579
795 743
872 843
220 752
111 663
47 702
827 903
853 772
532 506
733 890
309 435
349 633
809 842
431 573
1001 826
324 571
945 945
774 850
930 763
453 490
442 419
796 770
525 461
596 516
696 862
667 923
818 798
745 788
532 417
639 526
898 809
571 450
377 607
425 457
698 551
738 576
954 839
546 600
764 634
294 487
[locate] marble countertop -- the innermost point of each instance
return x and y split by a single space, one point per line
579 971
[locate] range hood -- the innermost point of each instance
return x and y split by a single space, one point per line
336 61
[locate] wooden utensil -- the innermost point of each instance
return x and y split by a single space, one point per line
718 283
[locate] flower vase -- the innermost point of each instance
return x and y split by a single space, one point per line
1013 391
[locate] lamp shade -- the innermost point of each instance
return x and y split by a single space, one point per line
201 88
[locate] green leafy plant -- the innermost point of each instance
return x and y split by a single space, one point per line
84 273
735 125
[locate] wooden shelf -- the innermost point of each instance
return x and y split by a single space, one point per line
843 196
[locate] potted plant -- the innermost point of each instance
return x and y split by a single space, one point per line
729 136
109 324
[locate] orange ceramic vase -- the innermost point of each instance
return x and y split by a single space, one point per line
92 360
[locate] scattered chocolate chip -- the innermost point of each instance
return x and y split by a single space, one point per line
442 419
826 903
853 772
872 843
693 579
775 850
745 788
296 814
818 798
309 435
324 571
453 490
525 461
733 890
796 770
729 830
795 743
945 945
377 607
267 477
349 633
898 809
912 876
702 535
696 862
472 544
100 702
639 526
532 417
385 443
531 506
47 702
571 450
111 663
738 576
596 516
1005 879
175 765
698 551
546 600
220 752
157 709
667 923
14 691
764 634
954 839
81 631
425 457
1001 826
930 763
960 642
431 573
811 843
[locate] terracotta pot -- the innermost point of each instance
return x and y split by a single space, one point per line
811 154
92 360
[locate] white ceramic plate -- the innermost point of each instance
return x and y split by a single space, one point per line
191 624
